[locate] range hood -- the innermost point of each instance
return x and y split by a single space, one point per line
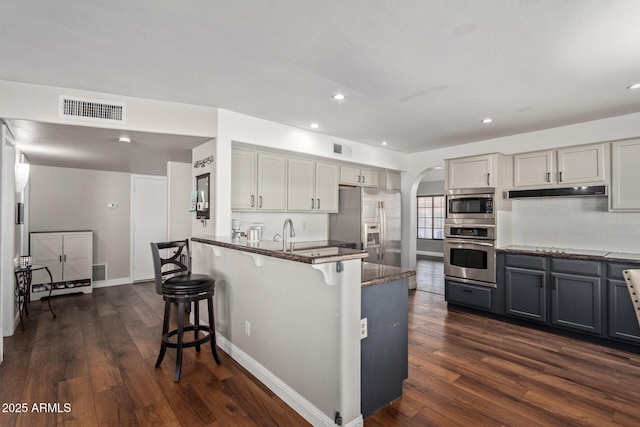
597 190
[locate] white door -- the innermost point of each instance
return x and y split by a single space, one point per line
148 222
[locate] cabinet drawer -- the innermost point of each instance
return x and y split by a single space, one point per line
573 266
526 261
471 295
614 271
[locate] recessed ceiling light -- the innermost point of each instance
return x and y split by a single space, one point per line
314 125
384 142
124 139
338 96
487 120
634 86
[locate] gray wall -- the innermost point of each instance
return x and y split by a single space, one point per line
430 188
63 199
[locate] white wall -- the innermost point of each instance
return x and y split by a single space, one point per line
610 129
7 235
39 103
236 127
178 197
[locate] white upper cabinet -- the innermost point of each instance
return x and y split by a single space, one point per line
534 169
312 186
471 172
625 175
243 179
361 177
390 180
583 164
258 181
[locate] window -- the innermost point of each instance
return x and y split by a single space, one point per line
431 217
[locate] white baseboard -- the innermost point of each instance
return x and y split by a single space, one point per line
433 254
292 398
111 282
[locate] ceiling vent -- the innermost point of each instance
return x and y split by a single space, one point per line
92 109
341 150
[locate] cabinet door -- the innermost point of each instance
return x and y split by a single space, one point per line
243 180
470 172
623 323
576 302
533 169
301 185
272 182
625 175
526 292
46 249
370 178
582 164
391 181
76 256
327 177
349 175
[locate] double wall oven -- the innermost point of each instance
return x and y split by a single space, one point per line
469 237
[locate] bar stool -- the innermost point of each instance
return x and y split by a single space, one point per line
179 286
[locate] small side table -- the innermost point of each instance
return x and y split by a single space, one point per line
23 288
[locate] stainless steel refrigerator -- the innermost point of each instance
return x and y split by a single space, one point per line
370 218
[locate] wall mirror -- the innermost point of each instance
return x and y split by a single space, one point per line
202 205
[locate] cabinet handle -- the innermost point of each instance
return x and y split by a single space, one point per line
312 204
468 291
318 204
363 179
253 201
260 201
560 176
488 179
548 176
60 258
359 177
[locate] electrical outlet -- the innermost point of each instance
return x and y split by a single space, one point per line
247 328
363 328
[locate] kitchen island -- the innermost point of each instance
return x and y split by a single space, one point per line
292 318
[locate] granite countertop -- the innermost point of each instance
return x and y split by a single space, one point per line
313 252
376 274
583 254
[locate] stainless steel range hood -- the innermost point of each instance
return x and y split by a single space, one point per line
597 190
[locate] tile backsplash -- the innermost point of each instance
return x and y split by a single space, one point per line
575 223
308 226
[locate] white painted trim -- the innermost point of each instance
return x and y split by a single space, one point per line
111 282
299 404
427 253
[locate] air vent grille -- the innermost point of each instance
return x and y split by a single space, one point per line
99 272
92 109
337 149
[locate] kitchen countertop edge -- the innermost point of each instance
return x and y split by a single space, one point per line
320 259
610 256
377 274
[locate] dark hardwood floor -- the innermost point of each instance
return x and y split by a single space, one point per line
430 274
464 369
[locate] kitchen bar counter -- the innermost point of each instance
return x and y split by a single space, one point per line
376 274
314 252
578 254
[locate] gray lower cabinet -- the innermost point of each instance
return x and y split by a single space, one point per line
576 302
384 353
470 295
526 293
622 321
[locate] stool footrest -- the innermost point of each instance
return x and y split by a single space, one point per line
166 339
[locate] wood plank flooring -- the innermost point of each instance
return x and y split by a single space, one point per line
464 369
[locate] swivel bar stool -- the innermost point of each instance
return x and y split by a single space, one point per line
179 286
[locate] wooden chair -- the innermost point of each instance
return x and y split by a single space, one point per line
632 278
178 285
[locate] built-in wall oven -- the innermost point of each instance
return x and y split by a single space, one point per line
469 253
471 203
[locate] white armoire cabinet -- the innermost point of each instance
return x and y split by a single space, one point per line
69 257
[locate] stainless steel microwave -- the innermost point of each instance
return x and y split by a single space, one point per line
471 203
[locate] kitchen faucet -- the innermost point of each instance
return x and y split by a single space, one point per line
292 232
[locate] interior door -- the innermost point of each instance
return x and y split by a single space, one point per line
148 222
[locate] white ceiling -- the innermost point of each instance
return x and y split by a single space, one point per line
420 74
